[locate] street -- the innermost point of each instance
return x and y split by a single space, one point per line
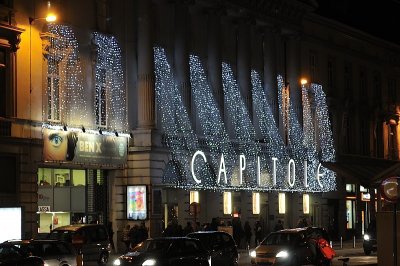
356 255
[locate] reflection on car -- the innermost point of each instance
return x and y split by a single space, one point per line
370 244
53 252
179 251
220 245
290 247
12 255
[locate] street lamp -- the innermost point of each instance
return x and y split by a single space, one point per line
50 17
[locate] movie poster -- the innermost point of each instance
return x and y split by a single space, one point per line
136 202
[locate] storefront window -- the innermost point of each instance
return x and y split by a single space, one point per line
281 203
78 177
227 202
306 203
194 197
256 203
61 177
350 188
44 177
350 213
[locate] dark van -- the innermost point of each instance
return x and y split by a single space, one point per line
91 239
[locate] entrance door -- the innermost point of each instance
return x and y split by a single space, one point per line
317 215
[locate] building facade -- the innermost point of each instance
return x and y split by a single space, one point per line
177 111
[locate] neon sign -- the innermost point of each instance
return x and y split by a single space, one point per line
290 177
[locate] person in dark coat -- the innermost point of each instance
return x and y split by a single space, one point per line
247 233
258 233
278 226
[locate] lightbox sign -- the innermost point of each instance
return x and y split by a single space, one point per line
136 200
79 147
10 223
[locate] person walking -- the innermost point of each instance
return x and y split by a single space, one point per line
247 233
257 233
125 237
278 226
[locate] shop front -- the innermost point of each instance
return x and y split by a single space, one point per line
73 180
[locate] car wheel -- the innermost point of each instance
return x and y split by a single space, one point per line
367 252
103 258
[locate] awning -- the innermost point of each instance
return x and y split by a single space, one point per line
363 170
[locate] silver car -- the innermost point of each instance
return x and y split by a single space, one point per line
53 252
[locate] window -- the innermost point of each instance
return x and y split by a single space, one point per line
306 203
350 214
256 203
281 203
53 90
350 188
101 97
194 197
227 202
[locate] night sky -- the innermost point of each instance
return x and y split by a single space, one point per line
380 18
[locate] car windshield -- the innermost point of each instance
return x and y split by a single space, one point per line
153 245
281 239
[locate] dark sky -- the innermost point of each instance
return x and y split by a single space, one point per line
380 18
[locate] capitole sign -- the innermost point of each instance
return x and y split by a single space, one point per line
290 176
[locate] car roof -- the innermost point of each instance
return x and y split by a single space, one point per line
208 232
75 227
27 241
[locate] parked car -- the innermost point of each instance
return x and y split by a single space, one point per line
53 252
166 251
220 245
370 244
290 247
90 239
11 255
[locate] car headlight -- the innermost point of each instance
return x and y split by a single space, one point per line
366 237
253 254
117 262
149 262
282 254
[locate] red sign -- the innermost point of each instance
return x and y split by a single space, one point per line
390 189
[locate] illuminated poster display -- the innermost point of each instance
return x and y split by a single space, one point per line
136 200
79 147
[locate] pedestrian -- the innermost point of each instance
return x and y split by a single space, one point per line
257 233
302 222
238 231
188 229
247 233
110 232
134 236
125 237
142 233
278 226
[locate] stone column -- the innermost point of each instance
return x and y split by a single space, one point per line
214 57
243 64
270 72
182 70
146 85
293 70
